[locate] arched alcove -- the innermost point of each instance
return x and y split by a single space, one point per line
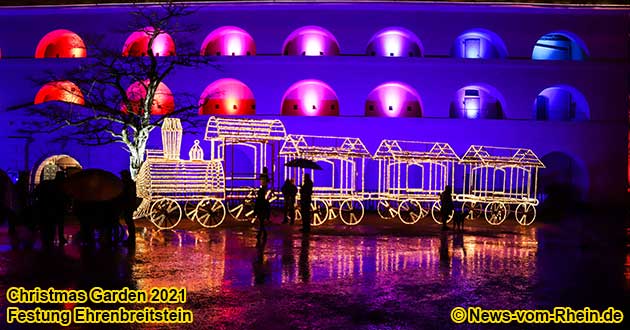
137 43
564 179
561 103
48 167
560 45
228 41
227 97
393 99
62 91
310 98
479 43
477 101
311 41
60 44
395 42
163 101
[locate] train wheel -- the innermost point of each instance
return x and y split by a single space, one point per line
475 210
410 211
525 214
351 211
495 213
190 208
387 209
436 213
319 212
244 211
210 213
165 213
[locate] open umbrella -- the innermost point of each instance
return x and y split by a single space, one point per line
93 185
303 163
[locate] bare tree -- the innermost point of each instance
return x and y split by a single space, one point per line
111 111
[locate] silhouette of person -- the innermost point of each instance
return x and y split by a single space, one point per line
306 193
289 191
262 208
52 205
447 206
61 205
128 204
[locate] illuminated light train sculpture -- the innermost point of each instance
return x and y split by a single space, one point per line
411 175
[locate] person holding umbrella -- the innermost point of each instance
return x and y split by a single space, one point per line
289 191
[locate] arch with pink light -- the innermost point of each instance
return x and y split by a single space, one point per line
163 101
137 43
227 97
311 41
228 41
310 98
393 99
395 42
61 44
62 91
478 101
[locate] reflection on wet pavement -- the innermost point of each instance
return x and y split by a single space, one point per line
340 281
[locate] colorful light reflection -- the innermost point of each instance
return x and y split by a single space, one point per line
63 91
138 43
393 99
310 98
395 42
228 41
311 41
227 97
163 101
61 44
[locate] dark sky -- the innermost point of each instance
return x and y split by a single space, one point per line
60 2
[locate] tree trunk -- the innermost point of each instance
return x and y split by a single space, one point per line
136 152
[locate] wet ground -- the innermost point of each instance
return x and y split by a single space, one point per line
379 275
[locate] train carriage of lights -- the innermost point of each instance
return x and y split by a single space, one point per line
411 175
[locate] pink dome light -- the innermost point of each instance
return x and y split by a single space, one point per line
228 40
310 98
393 99
138 43
62 44
227 97
311 41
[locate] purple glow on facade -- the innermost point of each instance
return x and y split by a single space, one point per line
393 99
137 43
227 97
310 98
561 103
395 42
62 44
311 41
478 101
560 45
63 91
228 41
479 43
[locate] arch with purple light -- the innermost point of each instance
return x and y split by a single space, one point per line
62 91
395 42
393 99
311 41
479 43
61 44
560 45
561 102
478 101
228 40
227 97
137 43
310 98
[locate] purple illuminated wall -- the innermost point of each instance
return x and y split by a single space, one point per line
393 99
310 98
228 40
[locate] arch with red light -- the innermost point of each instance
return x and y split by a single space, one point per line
395 42
61 44
62 91
228 41
310 98
227 97
311 41
163 100
137 43
393 99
